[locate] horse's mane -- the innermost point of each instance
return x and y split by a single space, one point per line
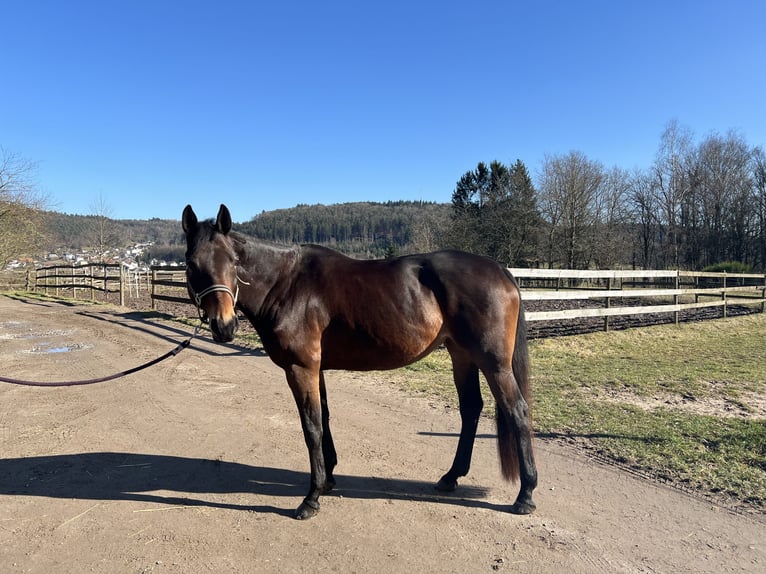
247 244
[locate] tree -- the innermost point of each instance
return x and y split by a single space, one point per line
672 186
22 228
494 213
613 215
468 198
569 189
723 189
514 219
644 206
758 168
103 226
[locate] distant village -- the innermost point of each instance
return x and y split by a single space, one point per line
132 258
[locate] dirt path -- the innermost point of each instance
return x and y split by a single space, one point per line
195 465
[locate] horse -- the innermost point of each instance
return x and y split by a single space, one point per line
317 310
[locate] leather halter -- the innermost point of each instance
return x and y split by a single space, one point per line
212 289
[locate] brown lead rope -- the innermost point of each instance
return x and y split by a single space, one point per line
180 347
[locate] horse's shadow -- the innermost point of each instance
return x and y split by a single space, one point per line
199 482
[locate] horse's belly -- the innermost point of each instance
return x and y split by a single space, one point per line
364 350
364 359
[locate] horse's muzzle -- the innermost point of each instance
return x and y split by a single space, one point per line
223 331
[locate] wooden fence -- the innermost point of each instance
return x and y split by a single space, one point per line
169 284
552 294
16 280
90 278
635 292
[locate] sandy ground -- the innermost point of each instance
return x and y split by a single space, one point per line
196 464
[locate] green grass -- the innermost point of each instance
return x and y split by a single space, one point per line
651 399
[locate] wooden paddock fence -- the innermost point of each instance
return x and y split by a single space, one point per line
553 294
16 280
169 284
621 293
88 279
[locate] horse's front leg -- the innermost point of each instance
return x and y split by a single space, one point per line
304 383
328 446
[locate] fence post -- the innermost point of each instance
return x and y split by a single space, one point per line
122 285
723 295
763 293
676 298
608 303
154 288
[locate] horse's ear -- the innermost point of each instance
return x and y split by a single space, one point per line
223 221
189 219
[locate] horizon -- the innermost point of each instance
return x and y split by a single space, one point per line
300 205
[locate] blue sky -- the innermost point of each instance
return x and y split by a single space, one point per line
150 105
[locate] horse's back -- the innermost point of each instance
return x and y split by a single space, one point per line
454 279
461 278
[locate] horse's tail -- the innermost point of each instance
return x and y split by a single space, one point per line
507 438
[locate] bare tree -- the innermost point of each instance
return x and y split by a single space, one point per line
723 187
569 189
613 214
672 185
644 201
758 163
103 230
21 203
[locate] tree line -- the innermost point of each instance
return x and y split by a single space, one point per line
361 229
700 203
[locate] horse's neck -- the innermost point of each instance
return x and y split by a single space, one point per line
260 268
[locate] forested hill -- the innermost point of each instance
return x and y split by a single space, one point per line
360 228
363 229
74 232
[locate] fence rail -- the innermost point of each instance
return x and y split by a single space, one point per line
657 291
169 284
552 294
15 280
91 277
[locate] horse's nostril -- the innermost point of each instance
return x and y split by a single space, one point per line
223 331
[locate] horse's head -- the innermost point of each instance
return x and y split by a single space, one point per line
211 271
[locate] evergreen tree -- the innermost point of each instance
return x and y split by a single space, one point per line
494 213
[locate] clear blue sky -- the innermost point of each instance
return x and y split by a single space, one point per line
150 105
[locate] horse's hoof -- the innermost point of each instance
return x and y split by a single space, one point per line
523 507
307 510
446 485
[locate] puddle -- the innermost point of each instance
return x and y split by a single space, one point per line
51 348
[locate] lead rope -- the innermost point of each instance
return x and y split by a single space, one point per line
180 347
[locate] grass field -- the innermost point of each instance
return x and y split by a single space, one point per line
686 404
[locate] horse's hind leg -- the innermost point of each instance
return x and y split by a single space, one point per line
328 446
466 375
514 435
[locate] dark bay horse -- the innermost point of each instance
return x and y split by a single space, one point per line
315 309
